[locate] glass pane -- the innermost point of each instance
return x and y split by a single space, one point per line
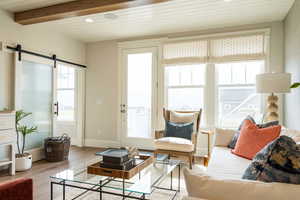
185 75
237 102
224 74
66 93
253 68
239 73
65 77
139 95
36 97
185 98
66 105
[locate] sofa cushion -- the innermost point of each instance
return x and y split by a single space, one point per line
179 130
201 185
222 137
224 164
252 139
174 144
277 162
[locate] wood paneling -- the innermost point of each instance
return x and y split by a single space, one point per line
77 8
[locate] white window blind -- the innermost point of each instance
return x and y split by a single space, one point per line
188 52
240 48
215 50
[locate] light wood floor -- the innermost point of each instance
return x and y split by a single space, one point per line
41 170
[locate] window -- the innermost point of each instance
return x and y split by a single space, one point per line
236 92
66 93
185 87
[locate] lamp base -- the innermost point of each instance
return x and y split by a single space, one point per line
272 108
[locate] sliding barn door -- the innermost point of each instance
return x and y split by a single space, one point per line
34 94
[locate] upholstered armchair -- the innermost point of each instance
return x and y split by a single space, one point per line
177 146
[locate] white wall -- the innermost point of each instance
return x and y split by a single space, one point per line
31 38
102 82
292 65
101 93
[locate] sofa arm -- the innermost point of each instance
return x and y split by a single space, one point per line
20 189
222 137
159 134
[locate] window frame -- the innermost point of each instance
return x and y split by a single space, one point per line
167 87
211 87
74 89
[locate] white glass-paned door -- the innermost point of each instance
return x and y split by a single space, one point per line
138 108
36 96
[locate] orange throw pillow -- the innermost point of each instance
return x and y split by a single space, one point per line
252 139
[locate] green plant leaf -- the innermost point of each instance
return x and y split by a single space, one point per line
295 85
24 130
20 114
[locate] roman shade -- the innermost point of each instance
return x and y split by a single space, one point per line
187 52
240 48
216 50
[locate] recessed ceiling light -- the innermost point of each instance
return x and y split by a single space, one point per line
89 20
227 0
110 16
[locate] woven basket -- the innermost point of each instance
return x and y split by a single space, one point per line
57 148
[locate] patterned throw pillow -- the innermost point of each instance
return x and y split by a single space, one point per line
277 162
179 130
233 141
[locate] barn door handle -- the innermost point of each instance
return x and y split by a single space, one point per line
57 108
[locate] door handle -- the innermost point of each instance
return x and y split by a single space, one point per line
123 108
57 108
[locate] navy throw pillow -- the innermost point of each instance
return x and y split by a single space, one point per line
237 134
279 161
181 130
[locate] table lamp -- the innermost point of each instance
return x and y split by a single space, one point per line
273 83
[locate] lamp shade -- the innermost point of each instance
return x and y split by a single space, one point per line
273 83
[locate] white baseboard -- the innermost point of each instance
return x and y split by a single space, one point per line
37 154
101 143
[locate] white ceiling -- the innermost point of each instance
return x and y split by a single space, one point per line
162 18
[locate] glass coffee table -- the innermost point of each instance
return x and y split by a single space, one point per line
140 186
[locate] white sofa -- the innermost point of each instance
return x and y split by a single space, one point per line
222 178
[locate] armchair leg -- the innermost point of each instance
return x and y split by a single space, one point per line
155 154
191 161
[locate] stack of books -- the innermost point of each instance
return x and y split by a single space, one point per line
116 159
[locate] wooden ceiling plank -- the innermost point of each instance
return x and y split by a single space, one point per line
77 8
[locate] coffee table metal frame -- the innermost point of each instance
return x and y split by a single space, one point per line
101 190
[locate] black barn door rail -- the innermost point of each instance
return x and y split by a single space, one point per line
19 49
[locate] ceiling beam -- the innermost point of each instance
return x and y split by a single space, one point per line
77 8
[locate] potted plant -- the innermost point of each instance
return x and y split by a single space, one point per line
23 159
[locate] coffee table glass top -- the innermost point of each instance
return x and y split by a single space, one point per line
151 175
